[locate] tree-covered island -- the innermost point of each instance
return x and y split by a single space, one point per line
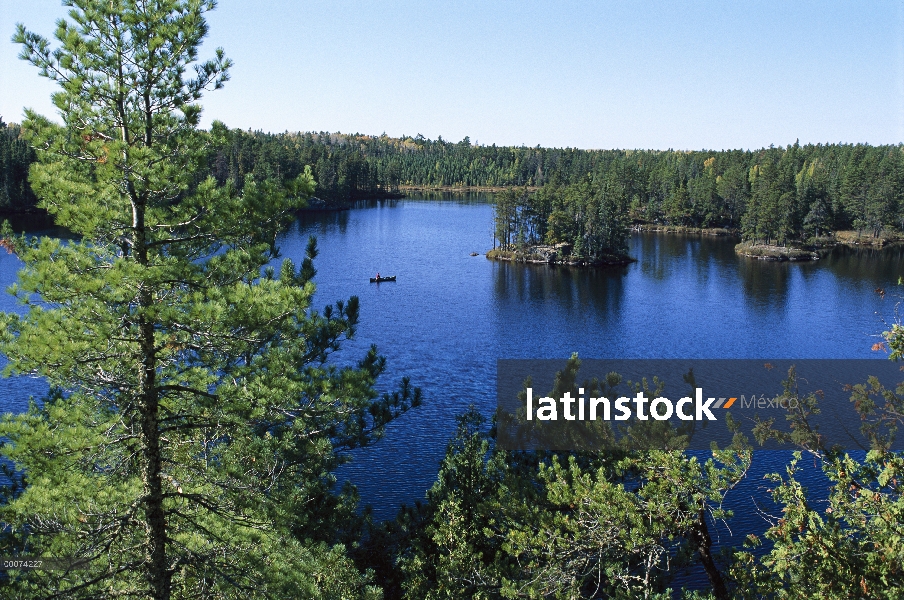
580 224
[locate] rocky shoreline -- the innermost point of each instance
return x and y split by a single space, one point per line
559 254
714 231
816 248
775 253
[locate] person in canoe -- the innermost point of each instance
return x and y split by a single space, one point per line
378 276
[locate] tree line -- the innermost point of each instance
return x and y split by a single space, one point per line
772 195
792 195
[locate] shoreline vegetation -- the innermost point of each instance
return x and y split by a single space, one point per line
459 188
812 249
684 230
562 253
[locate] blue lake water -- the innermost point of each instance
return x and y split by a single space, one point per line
450 316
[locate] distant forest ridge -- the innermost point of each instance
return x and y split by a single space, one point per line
775 193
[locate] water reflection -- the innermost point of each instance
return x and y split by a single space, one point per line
874 264
566 289
766 283
381 203
322 222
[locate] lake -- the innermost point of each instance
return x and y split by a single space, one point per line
450 316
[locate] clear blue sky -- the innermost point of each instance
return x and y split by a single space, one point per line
589 74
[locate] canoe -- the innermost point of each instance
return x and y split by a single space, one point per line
375 280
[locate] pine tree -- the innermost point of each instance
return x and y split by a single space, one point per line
187 446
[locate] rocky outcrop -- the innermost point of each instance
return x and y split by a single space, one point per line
776 253
560 254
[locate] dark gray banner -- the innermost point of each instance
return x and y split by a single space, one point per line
591 405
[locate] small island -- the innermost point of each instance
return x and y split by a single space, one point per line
774 252
559 254
583 225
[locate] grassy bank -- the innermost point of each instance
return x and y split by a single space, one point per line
459 188
715 231
856 238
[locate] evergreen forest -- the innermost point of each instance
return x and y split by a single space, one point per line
196 416
772 195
